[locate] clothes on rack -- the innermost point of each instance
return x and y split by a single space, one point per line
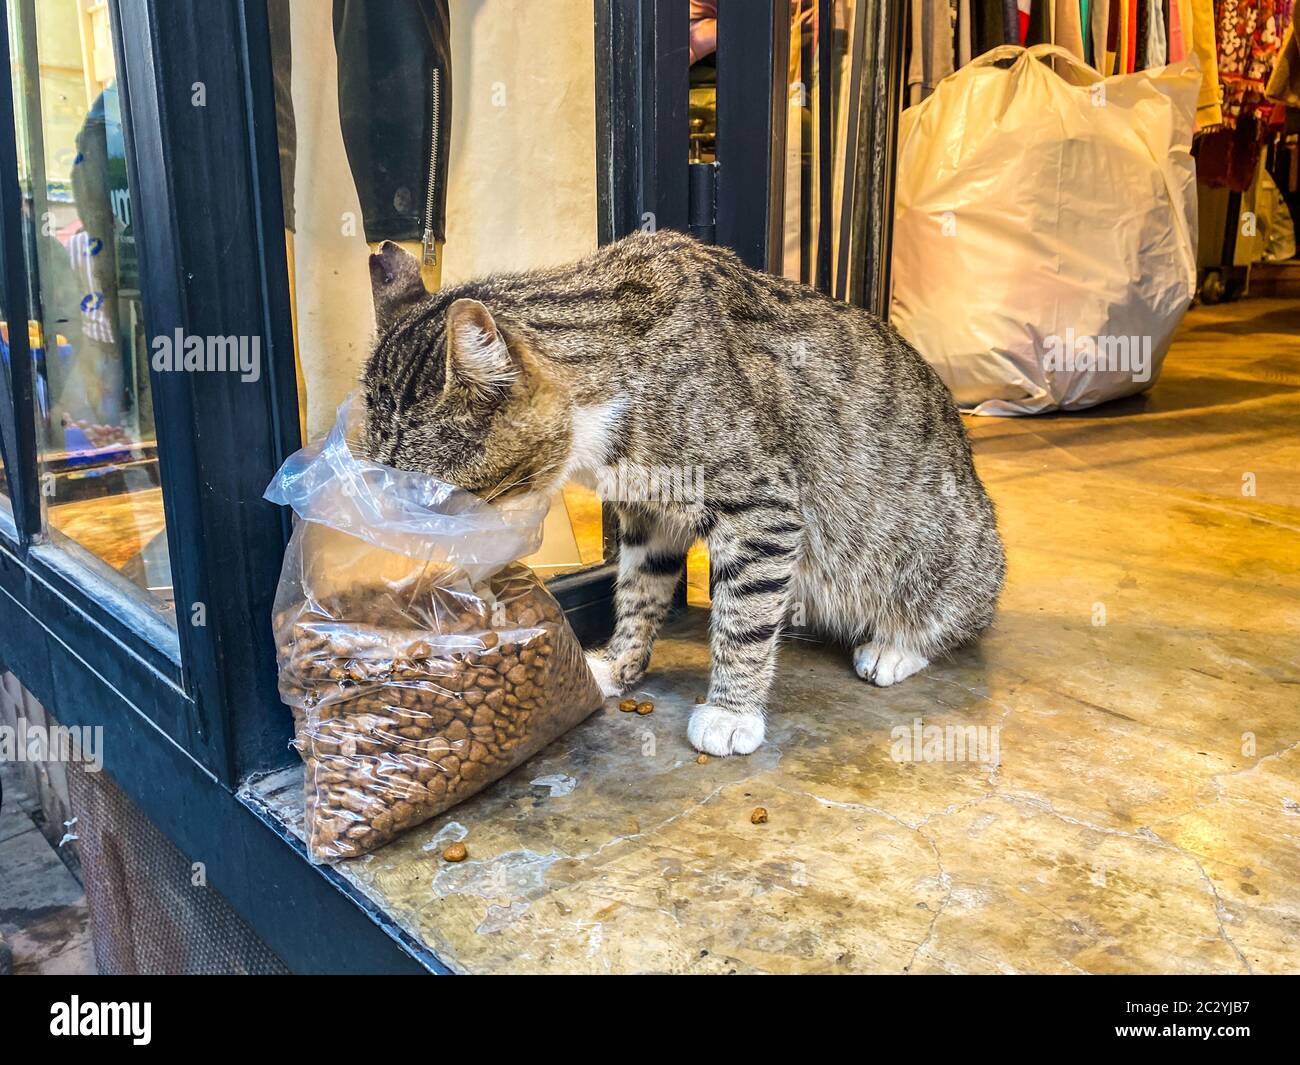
932 47
1239 45
1209 112
964 45
1249 40
1099 28
1248 46
1157 49
1180 23
1284 85
1067 26
1228 157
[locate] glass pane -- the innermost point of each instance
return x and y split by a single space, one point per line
95 425
362 88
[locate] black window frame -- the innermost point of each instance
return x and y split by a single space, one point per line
206 687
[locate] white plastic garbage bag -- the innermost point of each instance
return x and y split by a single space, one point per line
1045 228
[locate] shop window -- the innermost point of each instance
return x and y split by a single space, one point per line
463 131
98 462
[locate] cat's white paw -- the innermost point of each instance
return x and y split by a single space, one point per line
884 666
720 732
603 670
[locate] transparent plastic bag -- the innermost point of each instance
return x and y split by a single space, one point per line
420 659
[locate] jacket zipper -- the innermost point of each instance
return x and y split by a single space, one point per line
435 98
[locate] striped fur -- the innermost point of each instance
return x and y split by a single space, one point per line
838 486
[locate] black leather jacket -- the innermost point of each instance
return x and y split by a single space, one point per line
394 83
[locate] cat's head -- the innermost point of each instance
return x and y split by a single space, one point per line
454 392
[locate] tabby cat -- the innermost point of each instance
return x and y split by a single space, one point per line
830 474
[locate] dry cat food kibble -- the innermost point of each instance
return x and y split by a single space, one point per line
645 708
456 852
627 705
759 816
410 698
702 759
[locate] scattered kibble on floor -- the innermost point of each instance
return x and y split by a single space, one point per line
627 705
759 816
455 852
645 708
702 759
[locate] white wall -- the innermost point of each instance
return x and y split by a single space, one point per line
521 191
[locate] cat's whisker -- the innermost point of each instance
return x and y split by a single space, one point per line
523 482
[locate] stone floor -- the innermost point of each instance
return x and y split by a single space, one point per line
1115 782
44 926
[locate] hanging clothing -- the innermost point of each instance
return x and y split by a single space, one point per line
1249 36
1157 45
1056 22
932 53
1284 85
1038 28
1249 39
1229 157
1067 29
1098 24
1117 38
1012 22
965 38
1130 50
1180 30
1141 27
394 86
1209 113
916 55
989 25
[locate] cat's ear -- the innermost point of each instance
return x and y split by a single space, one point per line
478 357
395 283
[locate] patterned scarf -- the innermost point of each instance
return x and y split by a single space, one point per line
1250 34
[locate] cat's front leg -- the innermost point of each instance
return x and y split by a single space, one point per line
752 556
651 560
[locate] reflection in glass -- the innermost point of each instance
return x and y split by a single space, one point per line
95 426
467 136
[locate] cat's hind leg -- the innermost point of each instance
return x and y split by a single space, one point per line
886 663
651 561
913 630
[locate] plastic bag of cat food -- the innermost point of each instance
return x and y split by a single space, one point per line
421 660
